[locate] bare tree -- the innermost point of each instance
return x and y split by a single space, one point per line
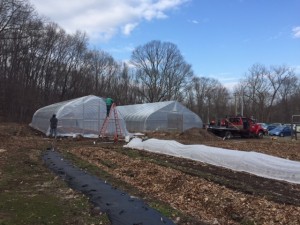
17 19
208 98
262 88
284 106
13 14
220 100
41 64
103 69
202 88
127 91
161 71
278 76
254 91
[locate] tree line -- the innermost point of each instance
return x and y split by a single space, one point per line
41 64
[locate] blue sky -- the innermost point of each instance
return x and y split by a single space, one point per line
221 39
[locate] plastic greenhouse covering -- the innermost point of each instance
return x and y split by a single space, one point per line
252 162
81 116
159 116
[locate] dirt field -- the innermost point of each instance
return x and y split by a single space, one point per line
189 192
29 193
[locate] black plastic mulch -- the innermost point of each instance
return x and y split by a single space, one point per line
121 208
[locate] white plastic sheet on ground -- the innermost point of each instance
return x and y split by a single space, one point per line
252 162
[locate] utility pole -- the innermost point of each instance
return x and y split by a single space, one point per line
235 103
242 103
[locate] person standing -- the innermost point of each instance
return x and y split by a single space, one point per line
53 126
109 102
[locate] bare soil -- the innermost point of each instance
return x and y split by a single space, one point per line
198 193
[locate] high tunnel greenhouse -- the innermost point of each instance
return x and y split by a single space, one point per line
85 116
159 116
81 116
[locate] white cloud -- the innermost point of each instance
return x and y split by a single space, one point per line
128 28
101 20
296 32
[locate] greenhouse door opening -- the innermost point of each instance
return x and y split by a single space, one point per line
175 122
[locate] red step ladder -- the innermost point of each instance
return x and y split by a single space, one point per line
118 132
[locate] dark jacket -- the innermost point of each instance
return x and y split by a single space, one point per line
53 122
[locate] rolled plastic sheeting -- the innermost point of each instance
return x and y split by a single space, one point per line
121 208
262 165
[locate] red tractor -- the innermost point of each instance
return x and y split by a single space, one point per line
237 126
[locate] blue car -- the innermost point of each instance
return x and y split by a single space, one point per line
281 131
272 126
